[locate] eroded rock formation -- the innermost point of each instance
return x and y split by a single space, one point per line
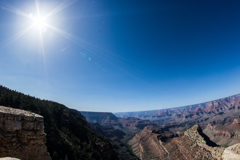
224 135
22 135
193 145
232 152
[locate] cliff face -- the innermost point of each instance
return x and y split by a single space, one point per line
22 135
224 135
193 145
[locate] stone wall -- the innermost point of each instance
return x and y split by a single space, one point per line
22 135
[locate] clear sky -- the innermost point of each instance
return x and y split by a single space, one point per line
121 55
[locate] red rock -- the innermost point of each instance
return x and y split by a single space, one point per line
147 145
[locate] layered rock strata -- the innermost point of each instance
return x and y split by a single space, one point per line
224 135
193 145
22 135
222 111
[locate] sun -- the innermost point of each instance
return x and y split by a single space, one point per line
39 22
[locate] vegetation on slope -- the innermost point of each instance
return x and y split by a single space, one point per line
68 133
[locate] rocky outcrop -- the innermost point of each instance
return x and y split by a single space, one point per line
236 121
22 135
232 152
195 134
193 145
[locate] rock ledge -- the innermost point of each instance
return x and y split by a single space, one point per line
22 135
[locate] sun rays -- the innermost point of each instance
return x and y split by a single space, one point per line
38 20
40 23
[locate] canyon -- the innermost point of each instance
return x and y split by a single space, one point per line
117 130
194 144
208 130
164 134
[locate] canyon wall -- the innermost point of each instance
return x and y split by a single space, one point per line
150 144
224 135
22 135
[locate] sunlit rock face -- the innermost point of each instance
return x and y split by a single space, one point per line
149 144
22 135
232 152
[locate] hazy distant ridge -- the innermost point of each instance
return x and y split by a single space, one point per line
169 111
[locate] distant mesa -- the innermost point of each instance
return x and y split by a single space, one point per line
103 118
109 119
222 111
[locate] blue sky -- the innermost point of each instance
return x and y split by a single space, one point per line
121 55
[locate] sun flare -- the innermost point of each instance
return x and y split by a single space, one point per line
39 22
